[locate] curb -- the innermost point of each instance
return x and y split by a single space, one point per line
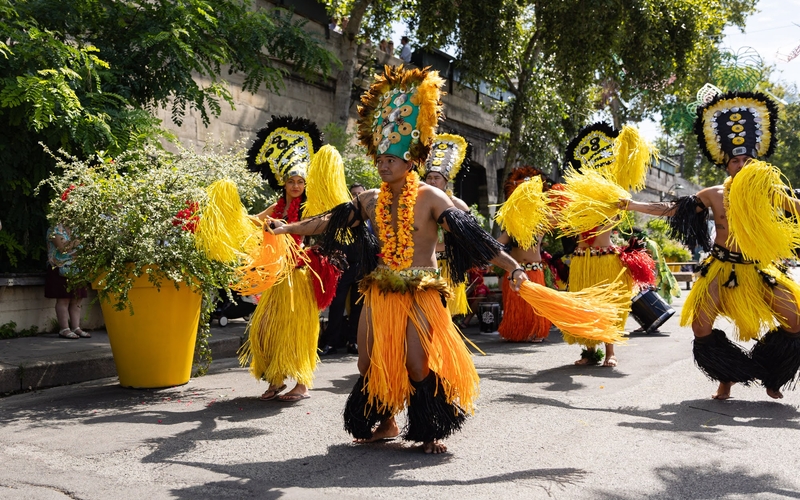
72 368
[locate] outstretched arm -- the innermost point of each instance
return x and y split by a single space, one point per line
319 224
659 209
467 245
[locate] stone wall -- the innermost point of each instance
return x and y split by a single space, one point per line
26 306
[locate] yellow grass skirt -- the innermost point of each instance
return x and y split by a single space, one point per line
457 304
283 332
391 300
520 323
748 305
590 270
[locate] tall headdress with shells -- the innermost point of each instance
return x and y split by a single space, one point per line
399 113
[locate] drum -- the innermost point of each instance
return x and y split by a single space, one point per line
489 315
650 310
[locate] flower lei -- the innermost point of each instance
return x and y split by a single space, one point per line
398 249
292 215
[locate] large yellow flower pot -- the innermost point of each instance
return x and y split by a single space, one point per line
154 347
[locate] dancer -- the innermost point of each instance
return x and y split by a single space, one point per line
739 280
410 352
449 153
596 259
284 329
520 323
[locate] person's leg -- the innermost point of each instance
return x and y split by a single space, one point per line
356 423
777 353
715 355
610 360
62 316
333 336
75 308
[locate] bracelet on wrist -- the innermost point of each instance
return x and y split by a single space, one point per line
511 276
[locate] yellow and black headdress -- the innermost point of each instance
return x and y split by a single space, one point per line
399 113
284 148
449 153
736 123
593 147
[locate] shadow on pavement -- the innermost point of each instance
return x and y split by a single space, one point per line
560 379
710 482
347 466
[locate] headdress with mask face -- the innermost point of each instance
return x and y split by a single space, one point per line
736 123
399 113
283 149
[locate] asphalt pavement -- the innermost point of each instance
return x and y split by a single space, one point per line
543 428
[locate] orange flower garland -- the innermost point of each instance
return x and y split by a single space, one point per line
398 250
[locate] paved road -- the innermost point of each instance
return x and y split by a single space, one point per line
542 429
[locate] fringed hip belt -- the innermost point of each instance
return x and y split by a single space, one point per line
594 251
407 280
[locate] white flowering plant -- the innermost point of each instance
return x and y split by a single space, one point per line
137 214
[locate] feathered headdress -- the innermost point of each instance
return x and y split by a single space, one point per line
736 123
449 153
399 113
283 149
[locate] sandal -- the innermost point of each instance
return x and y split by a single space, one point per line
271 394
66 333
80 333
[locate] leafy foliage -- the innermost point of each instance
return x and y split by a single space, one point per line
84 76
135 215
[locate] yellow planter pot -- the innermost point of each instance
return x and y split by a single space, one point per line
154 347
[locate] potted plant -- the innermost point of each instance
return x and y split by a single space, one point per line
136 217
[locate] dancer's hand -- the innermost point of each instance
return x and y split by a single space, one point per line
518 277
275 226
623 203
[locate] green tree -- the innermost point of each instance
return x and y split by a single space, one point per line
84 76
551 56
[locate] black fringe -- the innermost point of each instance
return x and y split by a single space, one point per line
340 230
722 360
359 419
466 244
430 417
689 225
777 356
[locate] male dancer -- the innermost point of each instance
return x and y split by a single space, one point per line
410 353
732 129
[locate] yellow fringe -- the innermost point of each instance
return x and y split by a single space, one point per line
457 302
591 202
526 213
224 226
325 186
759 223
283 333
589 271
632 155
747 306
388 318
268 264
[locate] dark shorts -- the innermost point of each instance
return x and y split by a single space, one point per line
55 286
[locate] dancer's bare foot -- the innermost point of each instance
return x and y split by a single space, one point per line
584 362
434 447
387 429
272 392
611 361
724 391
774 394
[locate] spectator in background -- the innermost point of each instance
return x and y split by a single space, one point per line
60 250
405 50
383 46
